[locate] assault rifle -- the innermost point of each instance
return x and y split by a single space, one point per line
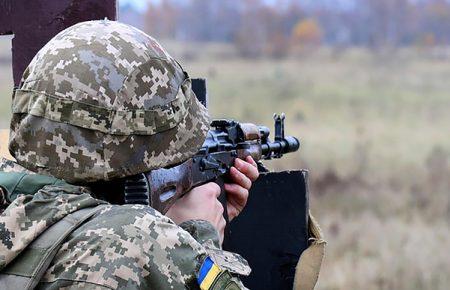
226 141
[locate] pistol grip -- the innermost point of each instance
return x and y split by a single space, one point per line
223 200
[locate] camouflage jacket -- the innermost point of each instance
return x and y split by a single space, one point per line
120 247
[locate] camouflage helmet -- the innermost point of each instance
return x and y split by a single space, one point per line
103 100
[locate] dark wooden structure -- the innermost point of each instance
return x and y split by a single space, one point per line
35 22
272 231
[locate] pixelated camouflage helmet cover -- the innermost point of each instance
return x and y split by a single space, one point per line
103 100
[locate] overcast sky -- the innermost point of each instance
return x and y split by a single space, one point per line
141 5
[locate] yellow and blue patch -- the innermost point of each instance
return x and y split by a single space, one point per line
208 274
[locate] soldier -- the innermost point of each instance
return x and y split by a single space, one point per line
100 102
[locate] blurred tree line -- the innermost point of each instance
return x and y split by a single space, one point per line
277 27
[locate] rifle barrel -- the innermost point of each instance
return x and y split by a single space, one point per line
276 149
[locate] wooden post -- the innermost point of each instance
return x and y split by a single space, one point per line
35 22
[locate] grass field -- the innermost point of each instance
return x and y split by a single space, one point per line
376 138
375 132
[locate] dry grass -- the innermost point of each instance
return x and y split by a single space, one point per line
366 252
375 133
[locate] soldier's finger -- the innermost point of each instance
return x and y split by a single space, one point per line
247 168
237 198
232 212
237 195
240 178
252 161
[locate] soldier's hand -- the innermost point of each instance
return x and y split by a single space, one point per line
242 174
200 203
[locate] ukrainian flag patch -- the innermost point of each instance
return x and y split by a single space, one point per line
208 274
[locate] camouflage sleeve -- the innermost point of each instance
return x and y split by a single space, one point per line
205 233
130 247
202 231
11 166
